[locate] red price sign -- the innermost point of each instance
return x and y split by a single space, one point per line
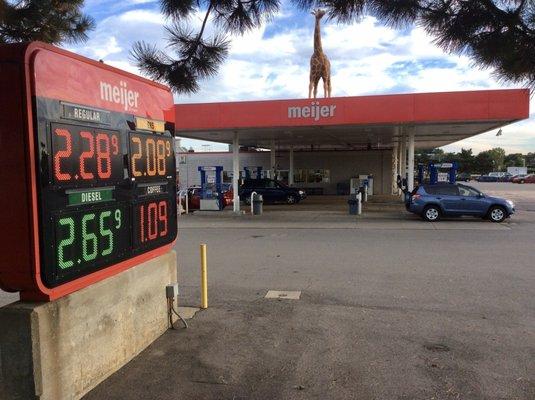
94 196
82 154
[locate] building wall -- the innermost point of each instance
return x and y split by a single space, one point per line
342 166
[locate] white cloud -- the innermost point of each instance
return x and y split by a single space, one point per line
104 48
142 16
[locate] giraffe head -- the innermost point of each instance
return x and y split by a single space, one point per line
318 13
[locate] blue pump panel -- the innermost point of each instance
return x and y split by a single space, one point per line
451 168
211 181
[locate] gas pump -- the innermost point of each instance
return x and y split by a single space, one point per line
367 181
421 173
363 181
249 172
211 187
435 176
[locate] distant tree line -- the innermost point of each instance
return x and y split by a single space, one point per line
482 163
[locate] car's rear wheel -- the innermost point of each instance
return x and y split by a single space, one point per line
497 214
291 199
522 181
431 214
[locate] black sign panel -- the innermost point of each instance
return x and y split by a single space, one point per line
107 193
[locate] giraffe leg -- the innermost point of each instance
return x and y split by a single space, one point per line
329 88
316 81
310 87
325 88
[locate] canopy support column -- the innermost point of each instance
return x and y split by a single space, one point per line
291 171
403 158
236 172
395 162
272 159
400 158
410 162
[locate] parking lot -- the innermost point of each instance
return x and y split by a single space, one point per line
391 307
522 195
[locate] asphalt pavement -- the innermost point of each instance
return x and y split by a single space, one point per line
391 307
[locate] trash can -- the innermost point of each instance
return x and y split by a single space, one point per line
258 202
353 205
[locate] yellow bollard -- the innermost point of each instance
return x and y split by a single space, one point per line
204 278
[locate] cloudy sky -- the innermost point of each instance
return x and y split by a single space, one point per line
272 62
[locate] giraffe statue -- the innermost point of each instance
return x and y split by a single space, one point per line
320 67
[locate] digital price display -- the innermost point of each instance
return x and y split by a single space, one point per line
91 167
84 155
151 157
84 239
152 222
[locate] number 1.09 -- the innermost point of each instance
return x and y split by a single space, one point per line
153 221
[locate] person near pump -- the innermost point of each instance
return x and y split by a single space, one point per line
402 183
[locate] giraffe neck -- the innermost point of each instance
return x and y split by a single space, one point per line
317 37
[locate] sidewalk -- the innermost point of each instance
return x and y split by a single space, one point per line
329 212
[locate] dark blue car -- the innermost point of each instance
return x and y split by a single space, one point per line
271 190
487 178
432 202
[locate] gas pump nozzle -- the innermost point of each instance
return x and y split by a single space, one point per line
402 184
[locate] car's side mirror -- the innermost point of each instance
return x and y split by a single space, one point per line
480 195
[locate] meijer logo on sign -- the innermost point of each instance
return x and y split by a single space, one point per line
119 94
314 111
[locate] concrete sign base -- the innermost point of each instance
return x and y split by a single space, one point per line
63 349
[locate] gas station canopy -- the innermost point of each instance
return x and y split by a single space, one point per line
361 122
